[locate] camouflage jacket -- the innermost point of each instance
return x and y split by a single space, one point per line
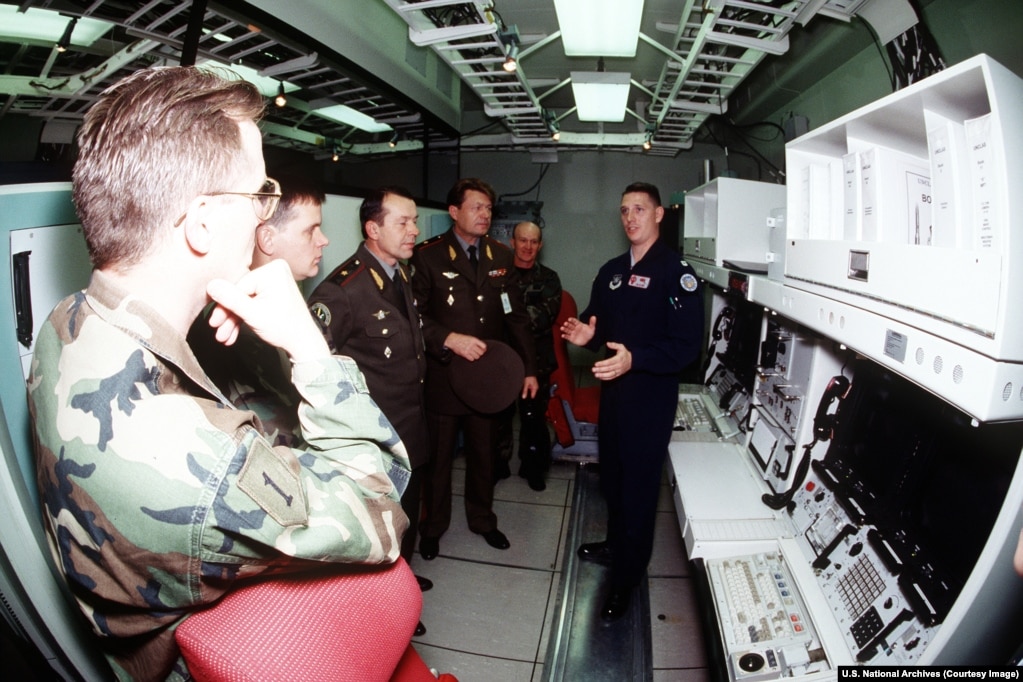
541 291
158 494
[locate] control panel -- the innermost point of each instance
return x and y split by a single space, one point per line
879 607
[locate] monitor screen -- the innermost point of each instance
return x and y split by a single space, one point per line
742 340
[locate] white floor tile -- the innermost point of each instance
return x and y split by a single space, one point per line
676 631
489 614
487 610
669 555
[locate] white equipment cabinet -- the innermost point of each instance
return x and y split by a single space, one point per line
906 207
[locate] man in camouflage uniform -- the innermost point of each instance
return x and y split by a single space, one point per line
541 292
159 495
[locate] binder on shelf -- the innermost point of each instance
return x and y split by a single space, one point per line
919 214
950 183
894 195
851 185
983 172
816 179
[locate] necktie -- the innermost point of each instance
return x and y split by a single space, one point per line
399 290
473 260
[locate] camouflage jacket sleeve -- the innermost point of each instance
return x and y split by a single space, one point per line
158 493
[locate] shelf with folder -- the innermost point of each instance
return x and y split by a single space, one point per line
904 207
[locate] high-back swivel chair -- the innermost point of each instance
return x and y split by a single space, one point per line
572 409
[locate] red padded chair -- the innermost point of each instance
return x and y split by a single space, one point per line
354 626
572 410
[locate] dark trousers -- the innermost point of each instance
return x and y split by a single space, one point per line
636 415
480 442
411 503
534 438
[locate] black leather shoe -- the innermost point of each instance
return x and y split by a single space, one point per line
496 539
420 630
616 604
599 552
429 547
501 470
537 483
424 583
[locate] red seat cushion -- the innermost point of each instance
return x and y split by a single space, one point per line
353 625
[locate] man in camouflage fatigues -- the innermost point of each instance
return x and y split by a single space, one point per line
541 292
159 495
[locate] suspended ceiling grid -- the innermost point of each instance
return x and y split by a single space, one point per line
37 80
709 50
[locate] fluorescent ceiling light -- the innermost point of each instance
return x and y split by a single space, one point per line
350 117
46 26
599 28
600 95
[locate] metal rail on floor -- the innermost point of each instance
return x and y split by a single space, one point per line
581 646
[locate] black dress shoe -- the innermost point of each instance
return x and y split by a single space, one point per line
424 583
420 630
616 604
496 539
599 552
429 547
537 483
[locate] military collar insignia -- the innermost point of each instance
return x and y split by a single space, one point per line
490 256
377 278
451 252
616 282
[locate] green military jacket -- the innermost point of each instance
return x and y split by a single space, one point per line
158 495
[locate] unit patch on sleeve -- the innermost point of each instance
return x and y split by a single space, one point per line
321 313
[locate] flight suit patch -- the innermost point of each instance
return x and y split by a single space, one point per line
273 485
615 282
639 281
688 282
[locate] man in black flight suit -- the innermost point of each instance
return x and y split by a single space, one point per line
646 308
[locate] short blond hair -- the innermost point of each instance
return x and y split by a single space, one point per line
150 144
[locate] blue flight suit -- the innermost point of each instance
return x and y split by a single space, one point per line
654 308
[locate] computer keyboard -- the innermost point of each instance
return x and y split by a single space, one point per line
757 601
691 414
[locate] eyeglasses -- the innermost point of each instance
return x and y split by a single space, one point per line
264 202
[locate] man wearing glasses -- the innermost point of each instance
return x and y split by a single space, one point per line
251 373
159 495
